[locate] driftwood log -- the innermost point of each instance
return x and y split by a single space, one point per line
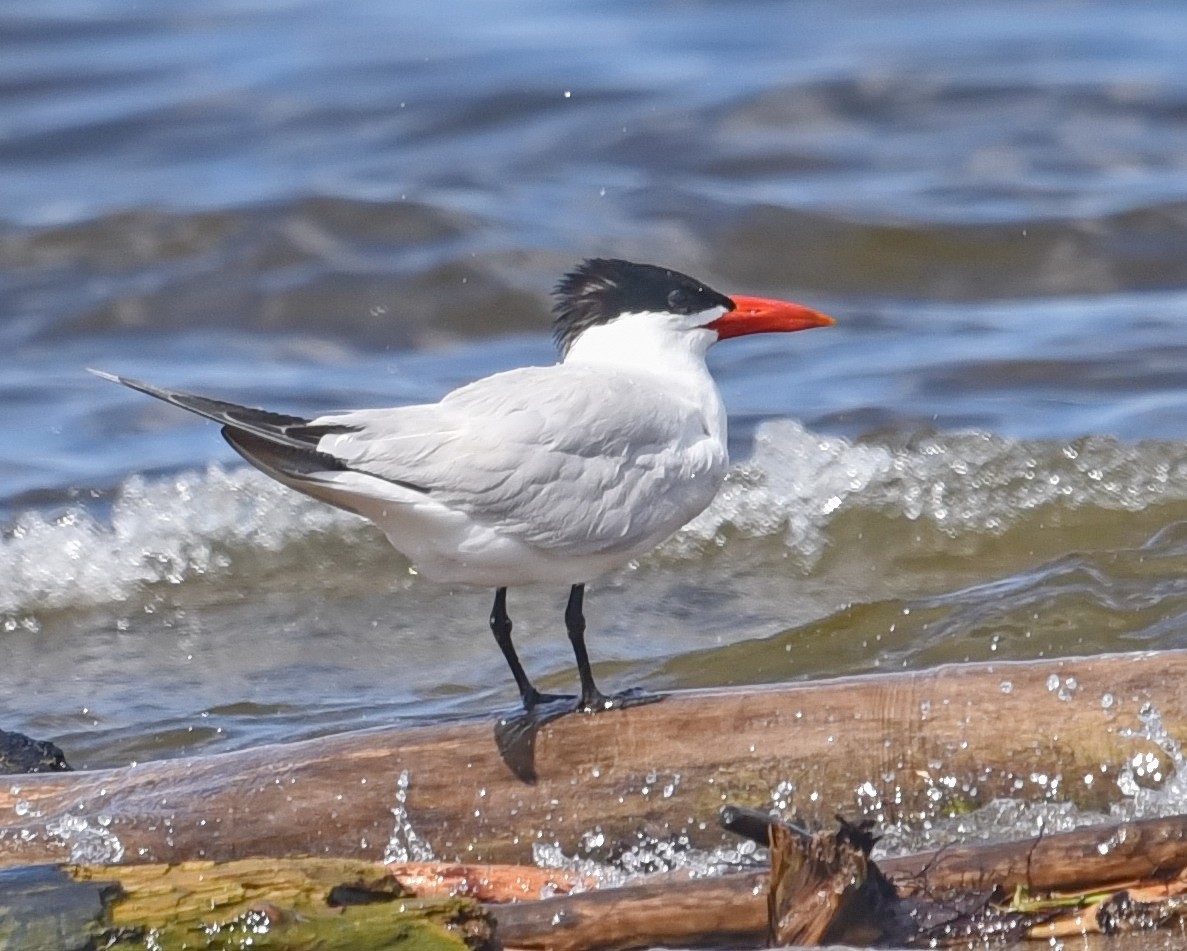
328 903
732 910
892 748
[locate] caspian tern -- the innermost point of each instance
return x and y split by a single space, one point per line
540 474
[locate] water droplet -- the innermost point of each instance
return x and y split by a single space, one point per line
405 845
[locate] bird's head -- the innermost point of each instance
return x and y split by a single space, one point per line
602 291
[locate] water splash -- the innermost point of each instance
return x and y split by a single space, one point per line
797 482
157 532
405 844
1152 787
166 531
998 820
611 866
91 841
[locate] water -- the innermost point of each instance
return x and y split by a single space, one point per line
295 205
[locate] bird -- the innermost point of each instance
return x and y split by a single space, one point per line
554 474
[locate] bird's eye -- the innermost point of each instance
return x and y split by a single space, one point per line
678 300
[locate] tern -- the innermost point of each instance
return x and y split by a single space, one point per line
551 474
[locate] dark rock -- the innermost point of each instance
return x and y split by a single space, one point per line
21 754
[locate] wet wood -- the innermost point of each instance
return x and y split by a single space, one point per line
1113 855
347 903
894 747
489 883
1138 907
285 902
825 889
708 912
733 911
1094 857
325 904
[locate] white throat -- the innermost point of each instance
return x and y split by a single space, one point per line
656 343
665 346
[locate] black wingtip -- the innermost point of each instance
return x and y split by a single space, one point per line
140 385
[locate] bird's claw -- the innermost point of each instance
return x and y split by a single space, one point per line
599 702
549 704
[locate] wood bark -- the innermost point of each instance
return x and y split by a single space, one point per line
733 910
896 747
346 903
825 889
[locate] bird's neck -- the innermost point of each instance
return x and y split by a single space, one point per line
641 344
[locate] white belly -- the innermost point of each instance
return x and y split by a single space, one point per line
450 547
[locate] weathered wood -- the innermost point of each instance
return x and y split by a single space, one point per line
1108 855
489 883
1092 857
825 890
892 747
325 904
1141 907
295 900
208 905
733 910
707 912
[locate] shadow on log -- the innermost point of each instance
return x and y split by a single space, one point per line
896 747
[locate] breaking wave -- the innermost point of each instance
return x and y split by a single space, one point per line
795 488
797 482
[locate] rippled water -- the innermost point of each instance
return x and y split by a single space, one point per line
297 205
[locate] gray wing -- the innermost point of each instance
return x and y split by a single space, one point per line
557 456
278 443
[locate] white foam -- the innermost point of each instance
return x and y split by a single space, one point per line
157 531
797 483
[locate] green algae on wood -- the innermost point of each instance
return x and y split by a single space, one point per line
323 904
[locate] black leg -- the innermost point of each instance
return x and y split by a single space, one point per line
591 697
500 627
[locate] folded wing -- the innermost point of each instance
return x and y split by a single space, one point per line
556 457
569 457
